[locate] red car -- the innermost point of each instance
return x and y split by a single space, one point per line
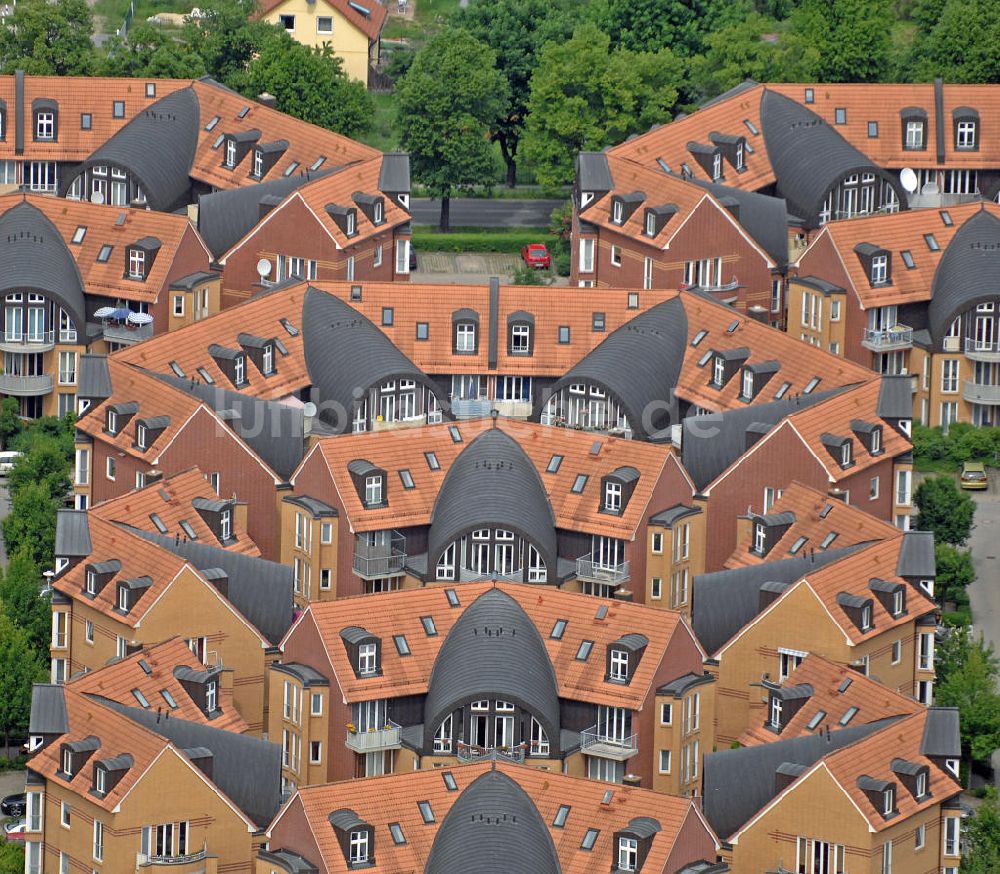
536 255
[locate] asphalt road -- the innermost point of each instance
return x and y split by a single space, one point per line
479 212
984 593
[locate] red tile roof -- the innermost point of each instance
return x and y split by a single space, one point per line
370 24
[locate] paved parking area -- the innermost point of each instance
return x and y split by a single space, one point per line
984 593
11 782
470 268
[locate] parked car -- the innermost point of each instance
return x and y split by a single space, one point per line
413 258
14 805
536 255
974 475
7 460
14 829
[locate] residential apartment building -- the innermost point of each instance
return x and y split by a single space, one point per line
429 677
641 227
882 796
81 277
117 589
352 30
116 788
867 606
492 499
468 817
910 294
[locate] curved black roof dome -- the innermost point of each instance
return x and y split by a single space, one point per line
35 257
968 274
809 156
493 651
493 484
493 826
157 148
640 364
346 354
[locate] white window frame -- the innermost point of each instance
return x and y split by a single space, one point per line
587 255
618 667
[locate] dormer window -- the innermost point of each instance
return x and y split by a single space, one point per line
875 447
211 696
613 497
618 670
123 604
966 122
136 264
268 359
100 780
112 422
914 135
140 435
747 385
230 153
225 525
378 214
239 370
628 854
67 762
358 852
888 802
759 538
776 706
373 490
352 223
866 617
717 166
465 337
617 211
650 223
91 583
520 338
740 155
719 371
879 273
45 125
898 602
367 659
258 163
845 454
914 121
921 784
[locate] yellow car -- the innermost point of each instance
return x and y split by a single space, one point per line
974 476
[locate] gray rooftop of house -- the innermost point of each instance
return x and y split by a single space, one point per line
967 273
764 217
191 280
48 710
639 363
493 819
394 173
313 505
724 601
493 651
245 768
895 397
72 534
35 257
593 172
738 783
941 734
260 589
916 555
709 444
673 514
157 148
95 379
492 484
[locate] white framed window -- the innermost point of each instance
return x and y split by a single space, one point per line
178 305
965 135
718 370
465 337
617 212
647 272
666 714
316 704
324 24
657 543
65 814
619 665
866 620
373 490
914 135
587 256
367 654
613 497
845 453
880 269
920 837
897 651
717 165
98 840
650 224
616 256
45 125
949 376
376 256
873 488
111 469
664 764
230 153
759 538
239 370
747 386
788 661
402 256
628 853
350 268
776 705
88 630
656 588
211 695
952 829
949 413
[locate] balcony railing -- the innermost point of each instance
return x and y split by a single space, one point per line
382 559
601 572
975 393
374 740
21 342
143 860
608 746
883 339
471 409
126 335
472 753
25 385
981 350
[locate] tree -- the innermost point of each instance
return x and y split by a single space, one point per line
966 679
943 509
584 96
10 421
148 51
310 83
448 99
982 836
947 45
954 571
20 666
515 30
680 25
11 857
49 38
736 52
19 594
45 463
31 524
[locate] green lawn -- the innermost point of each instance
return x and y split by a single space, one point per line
383 134
429 14
109 14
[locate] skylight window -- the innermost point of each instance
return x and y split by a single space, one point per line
602 612
317 163
751 126
146 669
733 326
291 168
816 720
177 369
579 483
218 141
946 218
907 257
705 358
281 347
452 597
211 125
799 543
188 530
158 522
558 629
554 463
430 629
407 479
79 234
426 813
396 830
932 242
845 685
243 112
206 376
432 461
140 698
664 166
449 781
561 814
456 435
104 254
825 511
169 698
289 327
811 385
402 645
589 839
849 715
780 393
828 540
701 335
583 653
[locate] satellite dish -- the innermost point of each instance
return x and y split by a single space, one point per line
309 410
264 268
908 179
97 197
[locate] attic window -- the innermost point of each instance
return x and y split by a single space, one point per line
597 321
811 385
449 781
561 814
602 612
79 234
583 653
664 166
633 300
423 330
177 369
289 327
816 720
799 543
158 522
388 315
810 95
430 629
137 693
206 376
558 629
589 839
579 483
188 530
218 141
554 462
845 685
86 121
732 326
291 168
873 130
701 335
171 703
211 125
907 257
704 358
828 540
452 597
946 218
432 461
243 112
849 715
780 393
118 109
151 89
751 126
104 254
406 478
396 830
456 435
315 165
426 813
355 292
840 115
564 333
932 242
402 645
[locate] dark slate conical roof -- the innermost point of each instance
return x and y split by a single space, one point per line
346 354
493 651
157 148
34 256
493 826
493 484
967 274
639 363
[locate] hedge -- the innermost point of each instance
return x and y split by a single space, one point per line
503 240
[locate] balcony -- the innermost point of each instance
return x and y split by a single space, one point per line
25 386
386 559
981 350
594 742
471 409
177 863
601 572
395 424
981 394
127 334
472 753
887 339
514 409
374 740
21 343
